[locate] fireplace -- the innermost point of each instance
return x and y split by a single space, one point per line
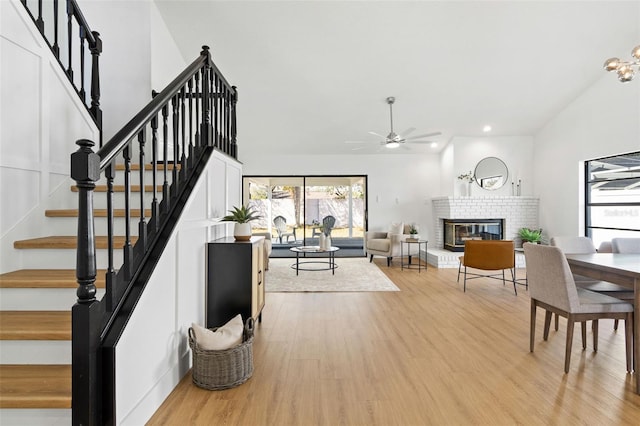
457 231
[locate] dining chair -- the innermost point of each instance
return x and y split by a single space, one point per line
626 245
584 245
488 255
551 287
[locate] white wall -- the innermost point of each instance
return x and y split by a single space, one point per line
400 186
153 353
515 151
125 62
604 120
41 117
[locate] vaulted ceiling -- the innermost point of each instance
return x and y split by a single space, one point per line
313 74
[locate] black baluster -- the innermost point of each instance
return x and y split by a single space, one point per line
142 225
190 86
127 250
205 131
198 101
55 47
83 37
183 158
154 165
216 110
70 38
96 50
165 147
39 21
234 131
110 175
175 184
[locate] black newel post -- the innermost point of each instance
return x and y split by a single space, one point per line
87 312
96 50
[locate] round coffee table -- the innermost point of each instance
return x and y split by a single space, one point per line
330 259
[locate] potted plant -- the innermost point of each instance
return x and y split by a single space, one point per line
413 231
530 235
241 216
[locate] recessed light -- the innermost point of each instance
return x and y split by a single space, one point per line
486 128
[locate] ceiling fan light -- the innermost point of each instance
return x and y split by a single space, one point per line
612 64
392 144
625 73
434 144
636 52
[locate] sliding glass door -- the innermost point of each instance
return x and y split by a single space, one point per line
296 209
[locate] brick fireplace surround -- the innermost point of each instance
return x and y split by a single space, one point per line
517 212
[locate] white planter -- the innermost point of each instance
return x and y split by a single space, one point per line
242 231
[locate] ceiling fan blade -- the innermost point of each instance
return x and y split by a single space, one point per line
355 142
426 135
378 135
407 132
419 141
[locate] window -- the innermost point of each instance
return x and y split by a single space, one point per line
612 195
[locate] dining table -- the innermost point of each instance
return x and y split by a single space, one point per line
618 268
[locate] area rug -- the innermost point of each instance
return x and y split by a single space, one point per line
352 274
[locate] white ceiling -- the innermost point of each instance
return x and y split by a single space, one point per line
313 74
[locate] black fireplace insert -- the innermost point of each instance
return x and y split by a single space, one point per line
457 231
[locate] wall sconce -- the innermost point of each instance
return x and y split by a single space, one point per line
625 69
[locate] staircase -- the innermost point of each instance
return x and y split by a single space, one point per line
35 314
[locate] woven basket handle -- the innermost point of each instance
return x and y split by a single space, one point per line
192 334
248 328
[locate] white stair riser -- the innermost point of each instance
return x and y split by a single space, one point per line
69 225
64 258
35 417
39 299
35 352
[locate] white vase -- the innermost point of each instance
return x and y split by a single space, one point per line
327 242
322 241
242 231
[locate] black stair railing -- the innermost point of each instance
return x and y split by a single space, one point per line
178 129
70 50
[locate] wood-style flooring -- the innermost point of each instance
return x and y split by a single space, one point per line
426 355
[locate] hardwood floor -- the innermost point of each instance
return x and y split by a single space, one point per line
428 354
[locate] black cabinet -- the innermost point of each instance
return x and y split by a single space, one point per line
235 280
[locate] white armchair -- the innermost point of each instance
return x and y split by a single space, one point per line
387 244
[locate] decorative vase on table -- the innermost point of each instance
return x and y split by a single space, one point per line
321 241
327 242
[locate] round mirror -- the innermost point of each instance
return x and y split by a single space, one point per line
491 173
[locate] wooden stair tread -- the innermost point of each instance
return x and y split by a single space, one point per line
148 166
35 386
120 188
35 325
135 213
67 242
45 278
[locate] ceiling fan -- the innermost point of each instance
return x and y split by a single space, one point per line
393 139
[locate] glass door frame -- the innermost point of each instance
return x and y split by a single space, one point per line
280 179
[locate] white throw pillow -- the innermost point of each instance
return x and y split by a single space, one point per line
396 228
225 337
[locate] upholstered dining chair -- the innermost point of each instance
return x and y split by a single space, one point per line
551 287
283 231
584 245
626 245
488 255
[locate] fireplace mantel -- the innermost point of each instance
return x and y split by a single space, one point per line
517 212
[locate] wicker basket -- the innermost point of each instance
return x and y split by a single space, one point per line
223 369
